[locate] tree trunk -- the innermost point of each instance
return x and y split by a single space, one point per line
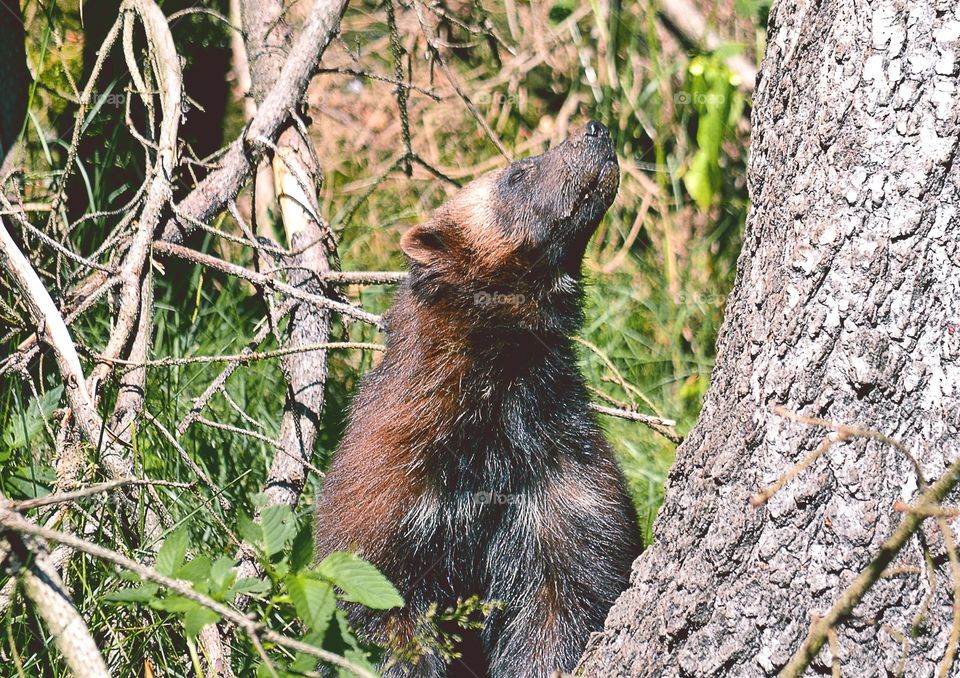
846 307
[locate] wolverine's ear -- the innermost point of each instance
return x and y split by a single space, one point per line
423 244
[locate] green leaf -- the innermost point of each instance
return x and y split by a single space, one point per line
197 570
248 585
561 10
222 576
346 634
301 555
141 594
279 528
712 93
31 482
173 603
314 601
303 662
27 424
196 617
360 581
171 554
249 531
358 657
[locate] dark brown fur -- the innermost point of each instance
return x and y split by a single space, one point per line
472 465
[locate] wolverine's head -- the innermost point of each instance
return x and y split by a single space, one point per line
507 249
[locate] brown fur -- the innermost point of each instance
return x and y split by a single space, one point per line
471 465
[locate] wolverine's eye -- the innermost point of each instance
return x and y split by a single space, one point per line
516 175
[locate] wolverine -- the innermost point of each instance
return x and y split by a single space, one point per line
472 464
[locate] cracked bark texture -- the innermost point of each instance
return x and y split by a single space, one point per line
846 307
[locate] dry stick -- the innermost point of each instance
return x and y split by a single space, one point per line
616 373
166 66
20 218
364 277
451 78
277 444
834 642
251 627
252 356
855 592
620 409
355 73
852 432
952 641
662 426
764 496
188 460
266 281
239 431
844 433
235 406
617 260
42 584
400 91
85 96
63 497
53 330
28 348
930 512
7 592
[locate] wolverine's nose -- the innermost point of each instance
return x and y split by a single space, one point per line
595 129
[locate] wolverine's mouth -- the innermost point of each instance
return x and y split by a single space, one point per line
596 196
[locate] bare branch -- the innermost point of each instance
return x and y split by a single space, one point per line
223 184
266 281
53 330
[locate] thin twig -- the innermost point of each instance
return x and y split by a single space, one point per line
266 281
855 592
252 356
109 486
662 426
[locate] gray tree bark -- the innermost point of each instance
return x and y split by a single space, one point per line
846 307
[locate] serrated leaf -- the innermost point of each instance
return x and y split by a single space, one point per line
171 554
249 531
360 581
141 594
27 423
173 603
222 576
314 601
197 570
346 634
358 657
301 554
248 585
196 617
278 526
303 662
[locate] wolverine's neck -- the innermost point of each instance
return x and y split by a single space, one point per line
431 339
481 403
449 356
